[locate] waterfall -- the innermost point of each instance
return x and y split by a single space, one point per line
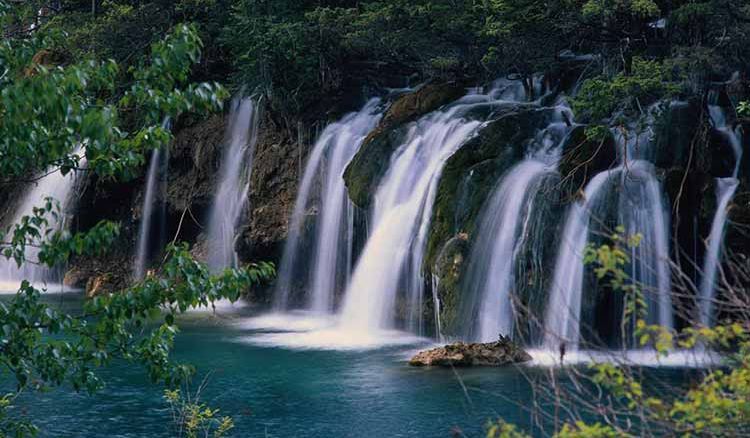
401 217
330 265
436 307
506 218
234 183
159 159
733 137
641 211
52 184
562 320
725 189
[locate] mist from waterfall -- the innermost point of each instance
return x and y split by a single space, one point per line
503 230
53 184
393 254
234 183
155 177
641 211
725 189
333 223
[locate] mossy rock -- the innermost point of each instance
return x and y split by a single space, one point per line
535 263
449 268
467 181
363 173
426 99
368 166
472 172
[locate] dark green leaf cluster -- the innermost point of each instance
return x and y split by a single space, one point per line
55 245
647 82
50 111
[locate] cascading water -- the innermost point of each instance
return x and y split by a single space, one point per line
332 152
641 211
401 216
158 160
234 181
725 189
719 119
506 219
436 306
562 321
52 185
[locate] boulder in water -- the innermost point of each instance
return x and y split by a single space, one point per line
498 353
100 285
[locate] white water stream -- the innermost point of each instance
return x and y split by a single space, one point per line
234 183
334 222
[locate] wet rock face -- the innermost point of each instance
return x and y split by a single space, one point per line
472 172
582 158
468 179
194 160
499 353
277 168
449 267
108 274
371 162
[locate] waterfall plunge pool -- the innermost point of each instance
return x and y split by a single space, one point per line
286 390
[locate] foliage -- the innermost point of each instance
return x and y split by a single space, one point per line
743 108
66 116
622 403
43 347
194 419
299 52
609 261
48 111
647 82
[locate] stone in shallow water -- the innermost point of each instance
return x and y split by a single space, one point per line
498 353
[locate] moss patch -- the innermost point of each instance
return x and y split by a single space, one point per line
363 173
471 173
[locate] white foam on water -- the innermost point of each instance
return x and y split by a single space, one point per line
641 357
298 321
315 331
335 339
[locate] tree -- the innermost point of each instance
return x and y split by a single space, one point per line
47 111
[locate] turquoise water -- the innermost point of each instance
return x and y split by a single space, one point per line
281 392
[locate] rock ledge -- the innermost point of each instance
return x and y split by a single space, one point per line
498 353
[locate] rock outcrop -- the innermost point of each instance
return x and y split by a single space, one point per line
498 353
468 180
370 163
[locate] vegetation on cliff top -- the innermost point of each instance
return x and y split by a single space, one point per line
305 54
